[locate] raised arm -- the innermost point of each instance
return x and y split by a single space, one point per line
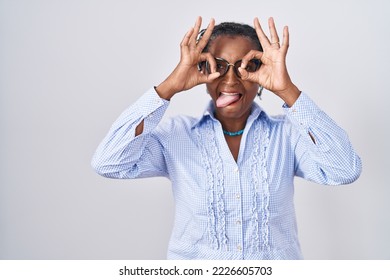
123 154
130 149
331 159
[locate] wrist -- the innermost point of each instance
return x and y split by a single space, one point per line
165 90
289 95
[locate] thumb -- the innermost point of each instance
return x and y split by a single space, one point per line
246 76
211 77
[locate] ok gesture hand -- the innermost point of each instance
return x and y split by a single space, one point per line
272 74
186 74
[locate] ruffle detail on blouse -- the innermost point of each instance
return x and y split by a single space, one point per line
259 174
215 185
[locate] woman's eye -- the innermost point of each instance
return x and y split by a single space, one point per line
251 67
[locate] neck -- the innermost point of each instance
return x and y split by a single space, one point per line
232 125
233 128
233 133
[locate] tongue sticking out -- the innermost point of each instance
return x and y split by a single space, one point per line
225 100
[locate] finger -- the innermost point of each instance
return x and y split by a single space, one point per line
204 78
187 37
260 34
206 36
209 77
247 76
286 39
244 74
196 27
211 61
273 32
249 56
212 77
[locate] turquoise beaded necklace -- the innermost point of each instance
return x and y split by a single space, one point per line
236 133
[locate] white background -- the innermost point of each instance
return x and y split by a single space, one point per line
68 69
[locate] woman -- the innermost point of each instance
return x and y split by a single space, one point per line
232 170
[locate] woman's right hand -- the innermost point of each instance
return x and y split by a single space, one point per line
186 74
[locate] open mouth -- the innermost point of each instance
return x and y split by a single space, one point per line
227 98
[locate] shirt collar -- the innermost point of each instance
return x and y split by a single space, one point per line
210 109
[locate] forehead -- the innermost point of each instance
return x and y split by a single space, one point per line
231 48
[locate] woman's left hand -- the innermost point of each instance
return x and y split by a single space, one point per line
272 74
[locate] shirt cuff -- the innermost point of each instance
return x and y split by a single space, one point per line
150 102
303 112
152 108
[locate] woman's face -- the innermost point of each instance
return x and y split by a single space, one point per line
234 95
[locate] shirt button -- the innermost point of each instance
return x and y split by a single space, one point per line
236 169
239 248
238 196
238 222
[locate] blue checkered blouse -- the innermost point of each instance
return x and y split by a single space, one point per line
227 209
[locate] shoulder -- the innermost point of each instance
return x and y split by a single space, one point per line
176 125
273 120
279 124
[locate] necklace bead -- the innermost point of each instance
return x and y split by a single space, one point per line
236 133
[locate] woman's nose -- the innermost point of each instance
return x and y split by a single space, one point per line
231 75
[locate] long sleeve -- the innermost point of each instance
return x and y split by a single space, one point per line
121 154
330 159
